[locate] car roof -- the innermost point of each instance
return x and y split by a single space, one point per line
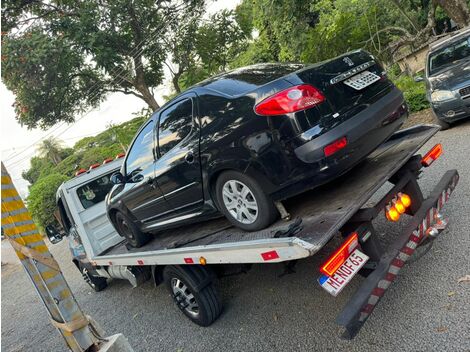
246 79
453 37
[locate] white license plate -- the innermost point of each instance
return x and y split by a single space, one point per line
344 274
362 80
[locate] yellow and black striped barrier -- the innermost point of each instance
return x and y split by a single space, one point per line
43 270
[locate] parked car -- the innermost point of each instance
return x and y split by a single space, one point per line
448 78
240 141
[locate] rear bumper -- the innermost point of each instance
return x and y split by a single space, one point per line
364 132
360 306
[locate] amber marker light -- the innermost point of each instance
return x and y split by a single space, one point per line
392 213
399 206
405 199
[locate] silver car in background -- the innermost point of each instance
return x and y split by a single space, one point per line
447 77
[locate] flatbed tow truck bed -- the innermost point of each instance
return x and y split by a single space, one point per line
316 216
338 208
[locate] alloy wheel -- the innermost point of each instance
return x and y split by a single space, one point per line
184 297
240 202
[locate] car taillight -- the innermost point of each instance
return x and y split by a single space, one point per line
290 100
339 257
432 155
336 146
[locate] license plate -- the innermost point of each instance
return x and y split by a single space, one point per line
344 274
362 80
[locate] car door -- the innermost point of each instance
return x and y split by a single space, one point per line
178 168
141 194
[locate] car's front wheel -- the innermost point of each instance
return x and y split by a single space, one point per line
444 125
243 202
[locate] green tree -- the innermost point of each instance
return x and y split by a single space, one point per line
70 53
38 166
200 48
41 199
52 150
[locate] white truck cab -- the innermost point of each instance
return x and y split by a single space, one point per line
81 211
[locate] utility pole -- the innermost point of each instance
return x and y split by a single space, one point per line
79 331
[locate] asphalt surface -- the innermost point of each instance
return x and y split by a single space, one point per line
426 309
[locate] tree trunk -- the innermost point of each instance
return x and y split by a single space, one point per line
147 95
457 10
139 80
176 84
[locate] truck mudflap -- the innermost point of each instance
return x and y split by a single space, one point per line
426 223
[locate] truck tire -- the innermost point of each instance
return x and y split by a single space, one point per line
96 283
192 289
243 202
127 229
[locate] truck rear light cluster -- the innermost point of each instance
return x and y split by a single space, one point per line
397 206
293 99
432 155
337 259
336 146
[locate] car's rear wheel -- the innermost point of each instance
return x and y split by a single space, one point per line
130 231
243 202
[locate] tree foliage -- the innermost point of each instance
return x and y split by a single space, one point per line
43 174
70 53
41 199
201 47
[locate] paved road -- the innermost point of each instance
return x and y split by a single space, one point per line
425 310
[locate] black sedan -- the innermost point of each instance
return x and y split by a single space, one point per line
448 78
239 142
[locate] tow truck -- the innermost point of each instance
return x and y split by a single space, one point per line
186 259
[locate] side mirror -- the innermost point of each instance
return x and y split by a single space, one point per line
53 234
418 79
117 178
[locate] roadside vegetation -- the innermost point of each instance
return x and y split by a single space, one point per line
46 174
72 54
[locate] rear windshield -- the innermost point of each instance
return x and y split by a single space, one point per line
449 55
95 191
245 79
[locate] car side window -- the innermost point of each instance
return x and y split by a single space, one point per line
141 152
175 123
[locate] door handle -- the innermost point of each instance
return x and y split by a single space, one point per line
189 157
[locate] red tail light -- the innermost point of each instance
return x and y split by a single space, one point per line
290 100
120 155
94 166
432 155
337 145
339 257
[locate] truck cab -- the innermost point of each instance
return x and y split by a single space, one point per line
81 212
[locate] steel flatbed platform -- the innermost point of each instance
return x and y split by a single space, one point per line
316 217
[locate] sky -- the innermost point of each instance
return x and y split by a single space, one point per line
19 145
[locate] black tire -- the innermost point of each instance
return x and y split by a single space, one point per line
195 296
444 125
130 231
266 211
96 283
